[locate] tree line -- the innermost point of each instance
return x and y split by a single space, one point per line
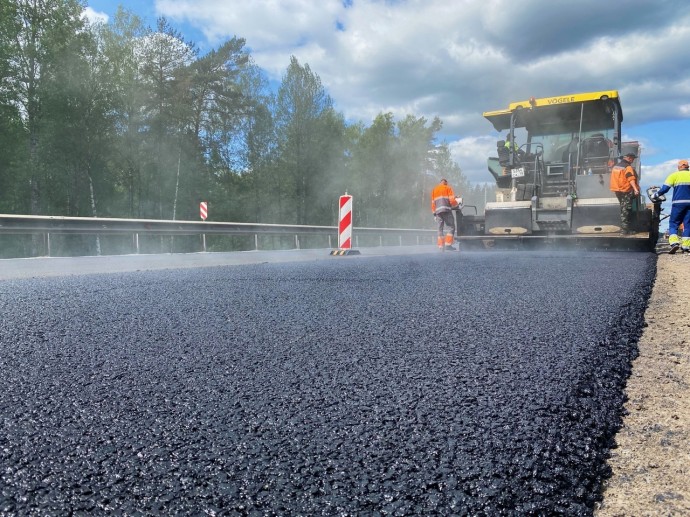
125 120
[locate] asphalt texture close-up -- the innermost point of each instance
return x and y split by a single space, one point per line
445 383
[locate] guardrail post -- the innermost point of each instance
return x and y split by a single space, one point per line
380 240
136 242
296 241
48 244
400 239
203 241
329 242
256 241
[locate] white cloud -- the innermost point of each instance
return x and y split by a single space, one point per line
656 174
457 59
471 155
94 17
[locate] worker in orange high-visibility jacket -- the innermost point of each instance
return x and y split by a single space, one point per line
624 185
442 204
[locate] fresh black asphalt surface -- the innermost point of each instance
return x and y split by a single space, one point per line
432 384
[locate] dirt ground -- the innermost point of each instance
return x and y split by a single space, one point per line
651 464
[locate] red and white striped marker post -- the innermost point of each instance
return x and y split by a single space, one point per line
345 227
345 222
203 213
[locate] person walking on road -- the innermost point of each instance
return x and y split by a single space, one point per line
624 184
442 204
679 181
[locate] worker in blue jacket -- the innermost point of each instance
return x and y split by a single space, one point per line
680 206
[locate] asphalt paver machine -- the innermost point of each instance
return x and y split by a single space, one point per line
552 178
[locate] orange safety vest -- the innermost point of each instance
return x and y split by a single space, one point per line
442 199
623 177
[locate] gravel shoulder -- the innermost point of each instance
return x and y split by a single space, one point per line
651 464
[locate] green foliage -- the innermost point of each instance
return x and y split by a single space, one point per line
121 120
309 136
14 191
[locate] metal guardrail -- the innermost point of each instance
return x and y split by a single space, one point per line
47 225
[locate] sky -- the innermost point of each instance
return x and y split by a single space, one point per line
456 59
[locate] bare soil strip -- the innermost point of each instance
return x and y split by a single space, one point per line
651 464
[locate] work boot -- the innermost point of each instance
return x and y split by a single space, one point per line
674 248
450 248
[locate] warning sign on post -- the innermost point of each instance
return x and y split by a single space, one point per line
203 210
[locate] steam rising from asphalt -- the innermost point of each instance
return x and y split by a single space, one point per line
60 266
